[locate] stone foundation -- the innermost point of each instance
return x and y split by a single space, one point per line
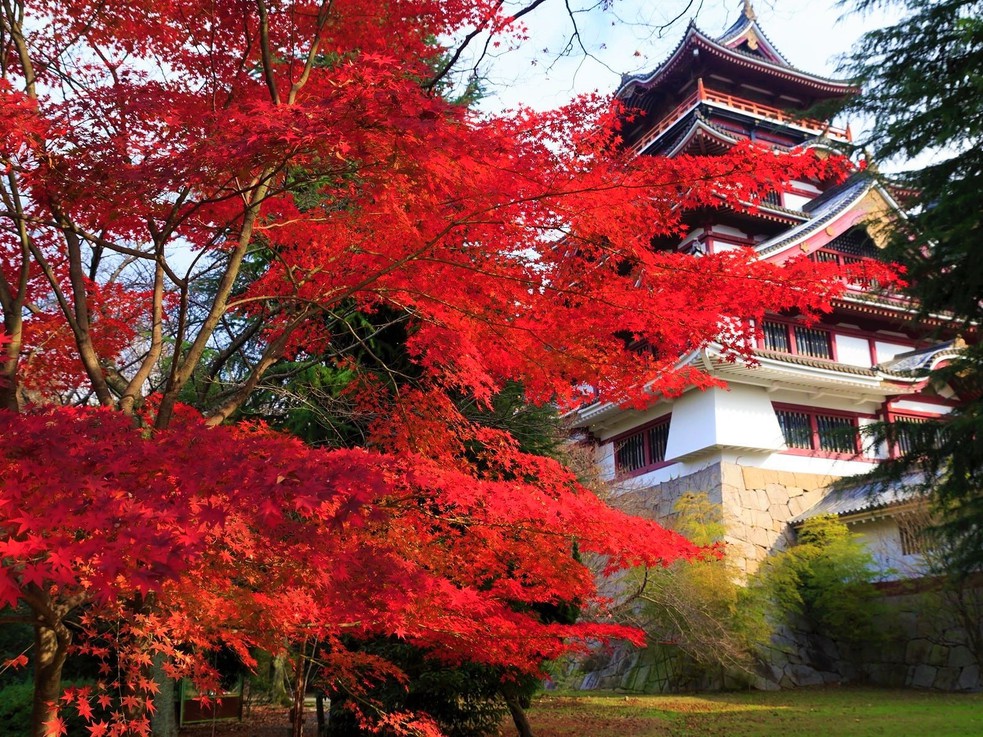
926 648
756 505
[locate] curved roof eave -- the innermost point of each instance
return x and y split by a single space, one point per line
699 126
834 207
694 35
745 27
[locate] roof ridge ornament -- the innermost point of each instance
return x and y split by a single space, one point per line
749 11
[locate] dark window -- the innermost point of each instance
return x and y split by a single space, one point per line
805 429
836 434
812 342
904 433
642 449
824 257
797 429
797 339
911 432
772 198
913 529
776 337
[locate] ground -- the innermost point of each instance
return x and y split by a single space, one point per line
833 712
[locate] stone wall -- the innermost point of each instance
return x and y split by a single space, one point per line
927 645
756 505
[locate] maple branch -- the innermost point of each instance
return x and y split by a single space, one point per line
230 350
180 374
264 45
272 354
322 19
15 27
132 390
478 30
13 301
80 325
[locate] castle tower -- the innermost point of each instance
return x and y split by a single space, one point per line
767 447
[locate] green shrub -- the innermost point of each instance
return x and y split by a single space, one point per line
700 607
15 711
827 578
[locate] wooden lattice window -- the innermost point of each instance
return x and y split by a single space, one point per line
905 433
816 430
797 339
913 530
642 449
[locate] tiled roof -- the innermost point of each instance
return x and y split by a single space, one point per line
863 496
843 368
821 211
693 32
920 361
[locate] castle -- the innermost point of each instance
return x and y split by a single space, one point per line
767 447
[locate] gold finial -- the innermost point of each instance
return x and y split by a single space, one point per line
749 11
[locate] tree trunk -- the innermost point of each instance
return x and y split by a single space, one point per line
522 725
163 722
280 686
300 688
51 648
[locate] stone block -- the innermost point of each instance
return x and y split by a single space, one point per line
777 494
960 656
761 518
796 506
761 536
938 655
923 676
758 500
754 478
803 675
946 679
917 652
969 679
787 479
956 636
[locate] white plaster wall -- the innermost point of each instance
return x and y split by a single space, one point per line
729 230
870 405
852 351
741 416
883 540
794 201
871 448
832 467
692 236
806 186
907 405
886 351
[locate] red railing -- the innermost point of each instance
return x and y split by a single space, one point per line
768 112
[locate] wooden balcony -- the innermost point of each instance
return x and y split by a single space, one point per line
702 95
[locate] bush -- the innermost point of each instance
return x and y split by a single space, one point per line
700 607
828 579
15 711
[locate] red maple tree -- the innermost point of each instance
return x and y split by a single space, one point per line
182 180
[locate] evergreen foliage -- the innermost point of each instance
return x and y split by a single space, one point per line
923 86
827 578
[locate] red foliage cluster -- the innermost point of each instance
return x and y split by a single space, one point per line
238 536
183 179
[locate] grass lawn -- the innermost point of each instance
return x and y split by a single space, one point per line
833 712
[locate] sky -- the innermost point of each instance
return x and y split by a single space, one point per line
627 38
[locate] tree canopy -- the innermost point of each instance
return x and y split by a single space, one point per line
194 194
923 88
